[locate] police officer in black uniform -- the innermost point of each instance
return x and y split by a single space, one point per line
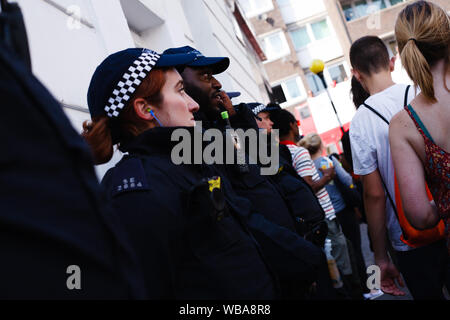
182 219
308 214
58 238
294 259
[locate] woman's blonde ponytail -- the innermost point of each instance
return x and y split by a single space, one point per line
422 30
418 69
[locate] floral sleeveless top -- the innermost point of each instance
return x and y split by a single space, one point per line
437 171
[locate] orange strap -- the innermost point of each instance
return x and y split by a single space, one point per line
413 237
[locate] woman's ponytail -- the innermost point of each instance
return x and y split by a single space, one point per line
98 136
422 30
418 69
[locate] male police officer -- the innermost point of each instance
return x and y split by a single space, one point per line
294 259
307 211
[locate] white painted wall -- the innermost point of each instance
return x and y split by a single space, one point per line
213 32
206 25
295 10
174 30
322 111
325 49
65 53
64 58
399 75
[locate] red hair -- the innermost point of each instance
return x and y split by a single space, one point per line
97 132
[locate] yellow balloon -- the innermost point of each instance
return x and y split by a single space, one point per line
316 66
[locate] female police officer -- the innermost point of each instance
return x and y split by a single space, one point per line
180 218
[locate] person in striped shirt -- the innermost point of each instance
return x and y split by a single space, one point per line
287 125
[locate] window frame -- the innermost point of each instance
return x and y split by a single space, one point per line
307 33
387 4
318 79
289 99
300 108
286 50
337 64
310 32
327 75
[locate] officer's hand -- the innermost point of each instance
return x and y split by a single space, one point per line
224 102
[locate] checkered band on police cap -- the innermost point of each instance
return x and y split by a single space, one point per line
258 109
130 81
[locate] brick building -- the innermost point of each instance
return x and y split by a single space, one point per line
294 32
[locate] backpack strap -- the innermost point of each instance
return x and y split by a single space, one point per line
405 102
376 112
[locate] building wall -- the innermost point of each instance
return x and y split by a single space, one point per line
260 24
222 33
378 24
339 25
297 14
208 26
382 23
170 27
65 52
284 67
332 51
297 10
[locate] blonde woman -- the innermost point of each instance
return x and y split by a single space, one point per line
419 135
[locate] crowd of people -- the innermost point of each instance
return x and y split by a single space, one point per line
154 229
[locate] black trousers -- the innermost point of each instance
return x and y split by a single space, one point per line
350 228
425 270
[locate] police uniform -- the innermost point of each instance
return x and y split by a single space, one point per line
183 223
58 238
189 246
294 260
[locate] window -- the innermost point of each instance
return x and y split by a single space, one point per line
315 84
275 46
309 33
278 94
394 2
378 4
289 91
320 29
392 44
305 113
255 7
354 9
361 8
348 12
293 89
337 73
300 38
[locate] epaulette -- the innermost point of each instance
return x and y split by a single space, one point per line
129 176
